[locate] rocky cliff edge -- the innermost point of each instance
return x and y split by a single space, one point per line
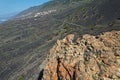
87 58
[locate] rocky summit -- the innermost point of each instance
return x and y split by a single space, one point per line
86 58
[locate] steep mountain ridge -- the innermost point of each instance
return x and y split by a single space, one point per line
51 5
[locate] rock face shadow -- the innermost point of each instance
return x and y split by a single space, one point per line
41 74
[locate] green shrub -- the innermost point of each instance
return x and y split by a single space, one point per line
57 33
94 77
20 78
67 27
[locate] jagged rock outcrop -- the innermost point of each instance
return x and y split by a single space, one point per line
89 58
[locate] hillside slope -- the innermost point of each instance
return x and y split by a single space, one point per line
87 58
25 40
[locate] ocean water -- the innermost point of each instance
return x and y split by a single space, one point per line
2 20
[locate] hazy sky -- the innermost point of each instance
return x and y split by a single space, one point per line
11 6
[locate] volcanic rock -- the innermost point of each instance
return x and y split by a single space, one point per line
89 58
